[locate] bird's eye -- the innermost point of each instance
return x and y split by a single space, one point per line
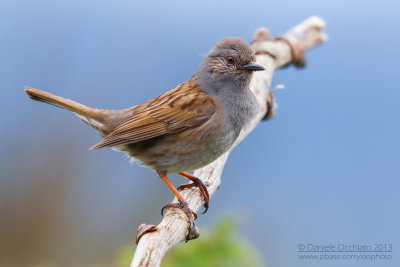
230 60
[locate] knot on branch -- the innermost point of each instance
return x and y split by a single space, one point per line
271 107
297 50
262 35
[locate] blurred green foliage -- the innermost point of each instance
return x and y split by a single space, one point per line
218 247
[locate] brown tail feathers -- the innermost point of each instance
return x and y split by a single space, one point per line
61 102
91 116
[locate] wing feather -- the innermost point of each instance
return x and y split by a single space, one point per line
181 108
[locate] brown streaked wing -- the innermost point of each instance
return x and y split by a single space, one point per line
178 109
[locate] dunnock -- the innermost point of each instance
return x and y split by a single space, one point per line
187 127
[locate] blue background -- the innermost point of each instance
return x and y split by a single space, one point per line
325 170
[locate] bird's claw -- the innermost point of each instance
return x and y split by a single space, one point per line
193 231
144 229
203 191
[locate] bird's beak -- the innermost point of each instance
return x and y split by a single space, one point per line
253 66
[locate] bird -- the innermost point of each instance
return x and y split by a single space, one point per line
185 128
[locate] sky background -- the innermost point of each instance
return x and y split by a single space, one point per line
324 170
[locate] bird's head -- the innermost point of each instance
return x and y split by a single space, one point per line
230 62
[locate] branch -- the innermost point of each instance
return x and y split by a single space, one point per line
272 54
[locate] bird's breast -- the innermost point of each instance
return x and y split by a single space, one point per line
241 107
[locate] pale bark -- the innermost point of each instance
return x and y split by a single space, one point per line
273 54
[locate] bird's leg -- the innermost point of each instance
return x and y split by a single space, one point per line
182 204
196 183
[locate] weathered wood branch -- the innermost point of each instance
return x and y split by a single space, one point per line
272 54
